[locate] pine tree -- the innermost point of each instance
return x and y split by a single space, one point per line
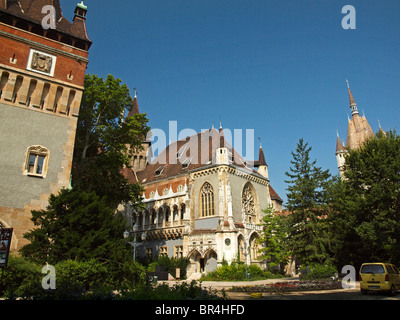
307 204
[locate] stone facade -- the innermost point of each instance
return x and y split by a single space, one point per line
203 202
41 84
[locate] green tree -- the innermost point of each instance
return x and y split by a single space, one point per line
307 196
274 238
106 140
76 225
366 203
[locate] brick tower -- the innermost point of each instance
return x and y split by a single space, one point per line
42 72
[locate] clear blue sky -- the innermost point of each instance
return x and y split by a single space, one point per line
278 67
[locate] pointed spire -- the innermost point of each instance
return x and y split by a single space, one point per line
261 157
134 107
339 145
353 104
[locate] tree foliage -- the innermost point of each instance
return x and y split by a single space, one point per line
307 204
76 225
274 239
105 140
366 203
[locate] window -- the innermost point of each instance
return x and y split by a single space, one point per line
37 160
149 252
178 252
248 204
163 251
207 200
160 170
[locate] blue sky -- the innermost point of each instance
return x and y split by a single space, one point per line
278 67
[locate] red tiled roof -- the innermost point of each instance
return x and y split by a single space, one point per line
274 195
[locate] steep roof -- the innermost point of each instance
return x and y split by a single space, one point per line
31 10
191 153
261 158
134 108
339 145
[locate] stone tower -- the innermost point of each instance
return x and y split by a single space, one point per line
358 132
42 70
142 157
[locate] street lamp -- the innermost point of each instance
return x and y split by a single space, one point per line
134 243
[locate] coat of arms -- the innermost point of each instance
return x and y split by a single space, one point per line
41 62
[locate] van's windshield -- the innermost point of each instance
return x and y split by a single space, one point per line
372 268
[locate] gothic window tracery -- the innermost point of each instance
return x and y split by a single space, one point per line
248 204
207 200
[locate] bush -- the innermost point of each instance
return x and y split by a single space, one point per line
170 265
236 271
318 271
20 275
180 291
74 279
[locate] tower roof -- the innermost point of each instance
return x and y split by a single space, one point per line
358 130
339 145
261 158
134 108
353 104
31 11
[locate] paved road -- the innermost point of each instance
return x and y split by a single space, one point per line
338 294
348 294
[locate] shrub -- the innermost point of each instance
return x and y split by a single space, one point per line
236 271
319 271
180 291
19 276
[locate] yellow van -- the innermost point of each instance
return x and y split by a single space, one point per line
379 277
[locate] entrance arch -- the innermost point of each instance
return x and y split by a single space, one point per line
210 261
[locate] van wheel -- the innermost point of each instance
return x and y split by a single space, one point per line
393 290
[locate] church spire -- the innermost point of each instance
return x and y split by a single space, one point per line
353 104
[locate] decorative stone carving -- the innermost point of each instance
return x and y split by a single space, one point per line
41 62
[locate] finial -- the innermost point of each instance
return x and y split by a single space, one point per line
135 92
379 124
259 139
337 133
347 81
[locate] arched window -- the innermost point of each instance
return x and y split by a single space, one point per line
248 204
207 200
37 161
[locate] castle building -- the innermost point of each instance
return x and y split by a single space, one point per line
202 201
358 132
42 69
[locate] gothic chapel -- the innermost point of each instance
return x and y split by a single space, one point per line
203 201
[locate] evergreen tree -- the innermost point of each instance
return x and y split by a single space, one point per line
308 236
76 225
